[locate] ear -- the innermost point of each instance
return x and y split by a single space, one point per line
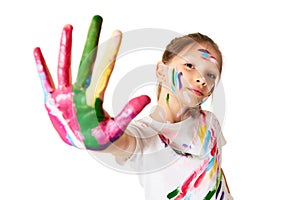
161 71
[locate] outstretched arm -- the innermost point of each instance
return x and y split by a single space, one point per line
76 111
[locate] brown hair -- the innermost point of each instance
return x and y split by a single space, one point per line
178 44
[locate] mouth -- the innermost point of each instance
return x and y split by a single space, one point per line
196 92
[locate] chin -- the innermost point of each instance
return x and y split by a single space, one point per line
191 104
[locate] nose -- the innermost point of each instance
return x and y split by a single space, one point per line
201 80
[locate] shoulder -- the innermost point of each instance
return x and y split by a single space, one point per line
139 126
213 122
210 118
145 132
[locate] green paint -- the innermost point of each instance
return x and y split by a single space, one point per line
209 195
99 109
168 98
87 118
89 53
213 191
173 76
174 193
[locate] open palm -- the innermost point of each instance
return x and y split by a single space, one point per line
76 110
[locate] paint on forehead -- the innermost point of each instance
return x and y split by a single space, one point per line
204 51
206 55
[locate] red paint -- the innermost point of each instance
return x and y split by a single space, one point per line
186 184
203 115
64 58
46 79
199 179
213 151
165 140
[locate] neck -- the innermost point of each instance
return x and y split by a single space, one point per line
168 108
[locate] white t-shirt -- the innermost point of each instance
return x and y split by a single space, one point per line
176 160
179 160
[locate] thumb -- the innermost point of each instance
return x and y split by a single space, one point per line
131 110
111 129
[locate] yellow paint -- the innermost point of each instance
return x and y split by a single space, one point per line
201 133
214 168
103 81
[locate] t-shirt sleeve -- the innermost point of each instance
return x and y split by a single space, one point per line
135 130
147 140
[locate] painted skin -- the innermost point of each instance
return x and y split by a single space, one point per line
78 123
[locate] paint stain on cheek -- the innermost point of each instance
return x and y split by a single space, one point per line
167 98
179 80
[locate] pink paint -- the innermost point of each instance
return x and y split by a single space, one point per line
111 129
64 58
45 77
186 185
59 102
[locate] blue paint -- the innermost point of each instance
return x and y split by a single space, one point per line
88 81
42 76
188 197
206 140
173 89
175 79
206 55
210 164
70 140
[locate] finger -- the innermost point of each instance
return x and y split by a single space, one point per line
89 53
131 110
64 58
43 71
103 71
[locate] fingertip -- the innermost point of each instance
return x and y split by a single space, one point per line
38 56
140 102
36 50
97 18
117 35
68 27
117 32
145 98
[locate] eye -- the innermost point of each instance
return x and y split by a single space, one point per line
211 76
189 65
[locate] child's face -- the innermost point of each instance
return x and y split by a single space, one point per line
193 74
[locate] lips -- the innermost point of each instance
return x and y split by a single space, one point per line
196 92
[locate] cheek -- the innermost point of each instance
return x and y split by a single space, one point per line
186 78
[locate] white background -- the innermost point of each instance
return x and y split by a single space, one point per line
260 42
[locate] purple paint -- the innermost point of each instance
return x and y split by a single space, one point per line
204 51
179 80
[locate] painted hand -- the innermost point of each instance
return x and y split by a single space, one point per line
76 110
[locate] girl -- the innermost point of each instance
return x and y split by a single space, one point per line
177 148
